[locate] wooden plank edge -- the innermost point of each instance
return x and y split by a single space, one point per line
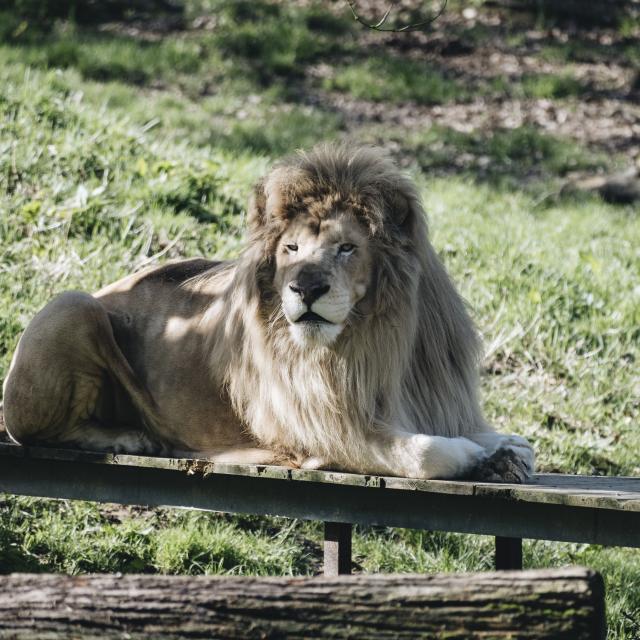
536 492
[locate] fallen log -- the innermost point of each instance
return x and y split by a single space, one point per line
562 603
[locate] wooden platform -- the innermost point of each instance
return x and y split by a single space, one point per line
599 510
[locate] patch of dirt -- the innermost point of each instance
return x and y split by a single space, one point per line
610 125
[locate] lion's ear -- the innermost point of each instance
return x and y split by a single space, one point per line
398 208
403 208
257 209
268 201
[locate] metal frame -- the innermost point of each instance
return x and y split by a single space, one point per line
338 504
508 553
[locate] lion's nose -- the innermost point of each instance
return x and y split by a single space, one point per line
309 292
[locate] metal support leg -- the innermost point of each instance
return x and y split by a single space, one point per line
337 548
508 553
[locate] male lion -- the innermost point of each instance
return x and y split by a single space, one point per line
335 341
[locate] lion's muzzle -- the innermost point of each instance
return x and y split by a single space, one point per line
315 309
309 290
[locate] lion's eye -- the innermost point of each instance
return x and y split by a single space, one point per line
346 249
291 247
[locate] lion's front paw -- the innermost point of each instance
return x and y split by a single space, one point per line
509 464
507 458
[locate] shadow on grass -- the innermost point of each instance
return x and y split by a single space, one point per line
278 133
517 159
45 12
263 41
109 57
270 42
13 557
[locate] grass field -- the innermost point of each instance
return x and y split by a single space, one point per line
128 144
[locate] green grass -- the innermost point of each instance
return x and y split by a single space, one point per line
98 57
392 79
397 80
550 86
522 159
116 152
559 331
102 56
579 50
271 40
34 537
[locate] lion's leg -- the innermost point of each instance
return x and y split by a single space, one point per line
92 435
237 455
410 455
54 381
488 457
64 360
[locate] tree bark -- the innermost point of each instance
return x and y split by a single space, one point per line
556 604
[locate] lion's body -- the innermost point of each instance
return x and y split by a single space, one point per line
375 372
157 318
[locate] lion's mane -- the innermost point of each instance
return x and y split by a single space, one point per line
407 359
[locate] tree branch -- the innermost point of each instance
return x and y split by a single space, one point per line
379 26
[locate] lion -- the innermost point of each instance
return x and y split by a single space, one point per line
335 341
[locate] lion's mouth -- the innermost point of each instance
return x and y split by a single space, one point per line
310 316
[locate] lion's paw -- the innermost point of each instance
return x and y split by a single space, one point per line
508 464
135 443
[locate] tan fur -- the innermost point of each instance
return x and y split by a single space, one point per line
212 358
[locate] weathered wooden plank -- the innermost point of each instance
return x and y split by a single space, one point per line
565 604
206 467
577 491
323 501
589 491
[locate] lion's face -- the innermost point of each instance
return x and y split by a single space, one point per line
323 269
